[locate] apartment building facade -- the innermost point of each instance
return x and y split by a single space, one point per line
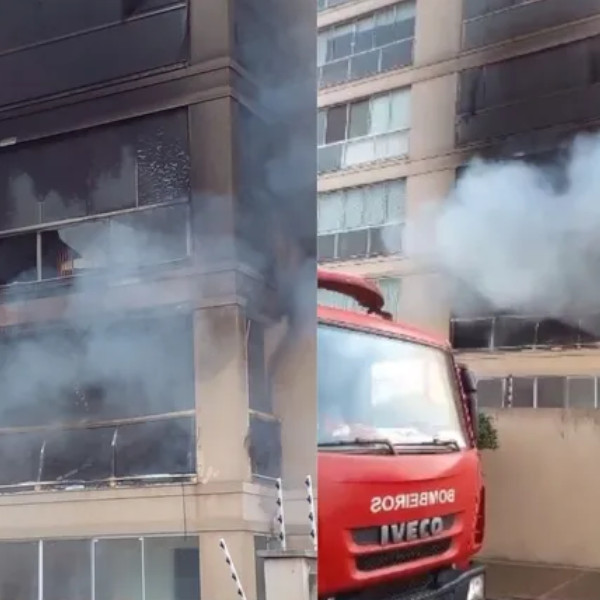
149 369
409 92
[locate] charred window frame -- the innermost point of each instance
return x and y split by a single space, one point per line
99 423
75 568
264 446
539 391
509 332
361 222
99 201
487 22
370 44
64 48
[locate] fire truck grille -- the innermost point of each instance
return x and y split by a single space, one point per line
409 587
389 558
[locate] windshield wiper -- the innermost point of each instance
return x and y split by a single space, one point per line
360 442
435 442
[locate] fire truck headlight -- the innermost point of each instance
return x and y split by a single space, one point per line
476 588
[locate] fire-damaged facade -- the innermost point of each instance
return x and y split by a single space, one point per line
156 292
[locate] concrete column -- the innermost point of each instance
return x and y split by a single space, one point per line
211 28
290 575
216 582
438 31
221 393
424 300
433 110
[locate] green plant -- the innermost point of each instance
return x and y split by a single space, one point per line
487 438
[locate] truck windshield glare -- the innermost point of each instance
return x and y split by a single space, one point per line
373 387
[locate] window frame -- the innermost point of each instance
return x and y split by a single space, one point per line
369 192
343 143
355 26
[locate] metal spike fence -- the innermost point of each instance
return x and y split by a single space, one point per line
234 576
311 509
280 514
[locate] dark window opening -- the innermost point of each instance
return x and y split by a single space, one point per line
258 381
18 259
514 332
472 335
552 332
265 447
187 581
20 458
133 367
67 570
19 570
78 456
161 448
94 171
551 392
590 329
75 250
336 124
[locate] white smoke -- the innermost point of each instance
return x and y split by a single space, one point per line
519 241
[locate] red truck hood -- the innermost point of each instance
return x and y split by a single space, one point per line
428 500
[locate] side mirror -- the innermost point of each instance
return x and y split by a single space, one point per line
469 387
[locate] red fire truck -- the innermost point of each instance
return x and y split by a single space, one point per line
401 492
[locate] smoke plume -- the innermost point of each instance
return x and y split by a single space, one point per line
523 242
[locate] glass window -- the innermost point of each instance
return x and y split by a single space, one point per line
19 570
399 110
359 119
102 169
78 456
390 388
336 124
581 392
391 289
118 565
20 458
380 114
124 48
522 391
67 570
490 393
331 211
551 392
346 212
366 43
354 208
172 568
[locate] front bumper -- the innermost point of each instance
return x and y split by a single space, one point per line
450 584
460 585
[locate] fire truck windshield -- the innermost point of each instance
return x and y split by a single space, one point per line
374 387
